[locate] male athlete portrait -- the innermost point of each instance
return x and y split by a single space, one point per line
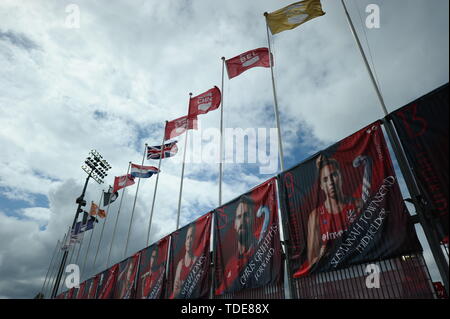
246 242
151 276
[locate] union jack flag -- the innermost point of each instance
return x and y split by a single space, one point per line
169 150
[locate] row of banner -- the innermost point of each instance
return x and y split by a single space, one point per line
339 208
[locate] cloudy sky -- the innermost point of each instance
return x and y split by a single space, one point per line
110 83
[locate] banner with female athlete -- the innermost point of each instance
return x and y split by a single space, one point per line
106 282
343 206
152 270
125 286
247 241
423 130
188 276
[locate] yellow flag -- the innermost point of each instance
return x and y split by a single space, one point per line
293 15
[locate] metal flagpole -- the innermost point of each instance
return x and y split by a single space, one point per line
221 138
430 234
134 205
156 187
182 172
117 218
275 105
54 271
103 226
70 261
92 235
51 277
79 248
48 270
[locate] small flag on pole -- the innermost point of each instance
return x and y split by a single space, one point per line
247 60
293 15
141 171
122 181
106 197
205 102
179 126
169 150
101 213
80 227
76 234
93 210
96 211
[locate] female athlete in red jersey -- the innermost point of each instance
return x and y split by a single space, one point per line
330 220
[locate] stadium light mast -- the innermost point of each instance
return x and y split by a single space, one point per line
96 167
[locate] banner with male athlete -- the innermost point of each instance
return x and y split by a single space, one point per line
423 130
125 286
188 276
247 241
106 282
343 206
152 271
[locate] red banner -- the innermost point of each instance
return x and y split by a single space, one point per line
423 130
80 291
152 270
70 293
177 127
107 281
247 245
190 260
205 102
86 288
344 206
247 60
125 287
91 287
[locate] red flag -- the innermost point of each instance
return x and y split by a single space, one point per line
179 126
122 181
247 60
205 102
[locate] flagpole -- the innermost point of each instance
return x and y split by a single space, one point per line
49 266
110 189
54 272
70 261
221 137
411 184
134 205
52 269
156 187
79 249
117 218
52 277
92 235
275 105
182 172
